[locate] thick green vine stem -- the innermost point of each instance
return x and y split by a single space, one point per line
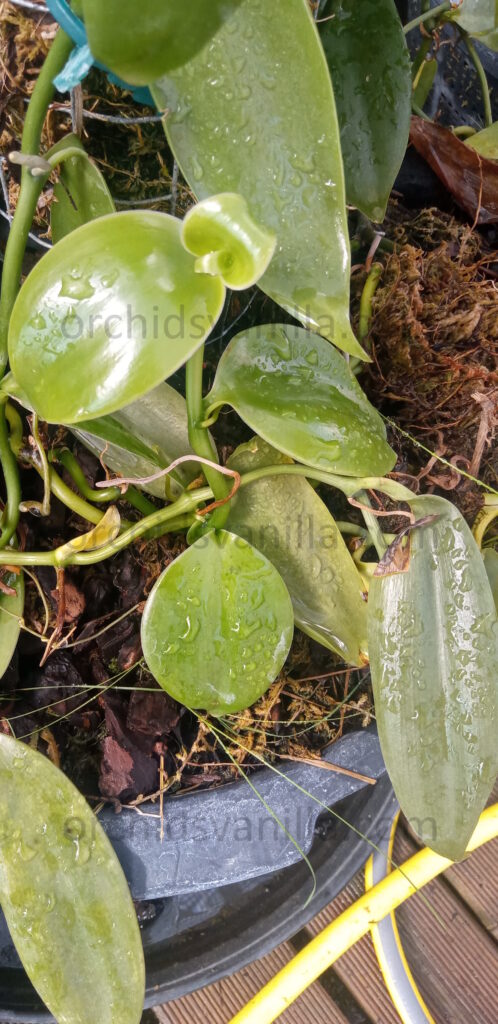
428 15
176 517
483 81
30 186
200 440
10 516
133 496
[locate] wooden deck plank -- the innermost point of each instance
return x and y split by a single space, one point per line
358 968
217 1003
455 966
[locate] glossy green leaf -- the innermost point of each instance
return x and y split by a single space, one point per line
64 895
80 194
299 394
434 663
140 44
285 519
107 314
218 625
143 437
11 610
486 141
228 242
480 19
371 72
254 113
490 557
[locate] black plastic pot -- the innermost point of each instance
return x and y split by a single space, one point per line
203 927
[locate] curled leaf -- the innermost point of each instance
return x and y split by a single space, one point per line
471 178
369 63
103 533
285 519
218 625
64 895
107 314
253 112
222 234
433 649
80 194
298 393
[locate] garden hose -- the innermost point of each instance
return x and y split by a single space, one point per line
391 958
353 924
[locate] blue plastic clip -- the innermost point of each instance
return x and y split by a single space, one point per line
81 59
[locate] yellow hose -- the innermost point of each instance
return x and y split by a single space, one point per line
351 925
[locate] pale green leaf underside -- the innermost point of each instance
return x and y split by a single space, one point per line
285 519
218 625
486 141
80 193
434 663
64 896
253 112
297 392
143 437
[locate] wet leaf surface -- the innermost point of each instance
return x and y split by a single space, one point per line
254 113
370 68
298 393
471 178
107 314
285 519
434 661
218 625
64 895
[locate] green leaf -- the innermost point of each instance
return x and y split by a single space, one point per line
140 45
371 72
143 437
298 393
433 657
64 895
491 565
218 625
486 141
108 313
80 194
425 81
11 610
480 19
222 233
285 519
254 113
